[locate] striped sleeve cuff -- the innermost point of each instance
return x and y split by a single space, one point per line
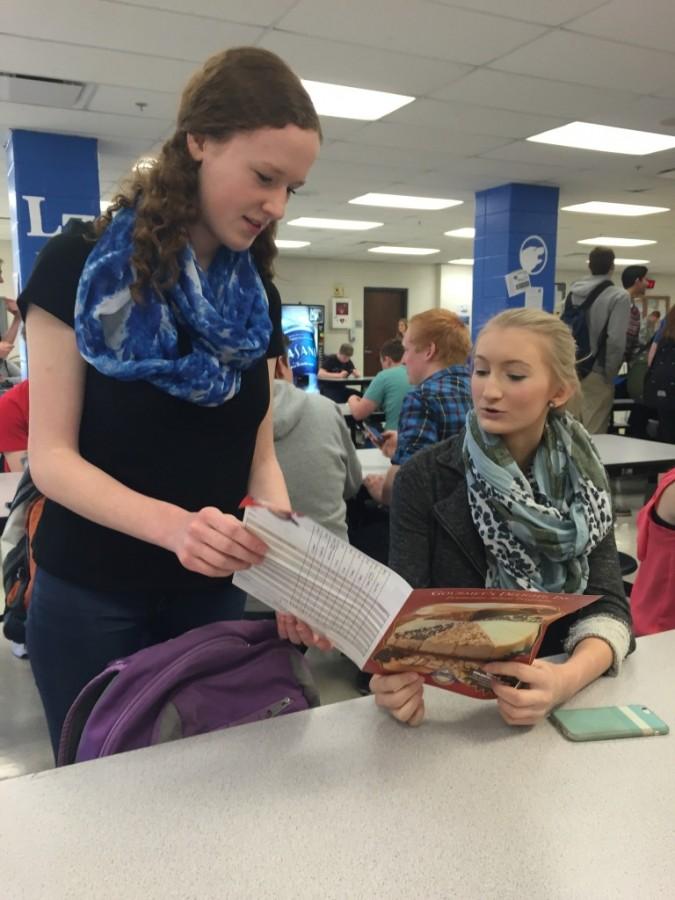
607 628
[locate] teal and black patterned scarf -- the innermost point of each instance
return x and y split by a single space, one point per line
224 313
538 529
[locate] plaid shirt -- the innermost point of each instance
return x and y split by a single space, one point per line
433 411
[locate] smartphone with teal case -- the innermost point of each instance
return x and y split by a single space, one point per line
604 723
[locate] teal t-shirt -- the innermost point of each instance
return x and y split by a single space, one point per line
387 389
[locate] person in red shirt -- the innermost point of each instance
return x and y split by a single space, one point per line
14 427
652 599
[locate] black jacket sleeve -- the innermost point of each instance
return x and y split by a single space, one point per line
411 527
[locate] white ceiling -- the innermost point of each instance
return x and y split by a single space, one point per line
486 74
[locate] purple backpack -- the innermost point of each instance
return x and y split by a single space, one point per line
217 676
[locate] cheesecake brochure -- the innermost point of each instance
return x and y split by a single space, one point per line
375 617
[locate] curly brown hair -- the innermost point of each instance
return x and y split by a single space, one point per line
238 90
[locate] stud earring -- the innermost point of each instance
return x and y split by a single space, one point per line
551 404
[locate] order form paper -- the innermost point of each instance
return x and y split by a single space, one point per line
324 581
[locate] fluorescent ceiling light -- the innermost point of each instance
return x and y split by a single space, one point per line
606 139
406 251
462 232
399 201
460 262
290 245
630 262
340 224
600 208
353 103
615 242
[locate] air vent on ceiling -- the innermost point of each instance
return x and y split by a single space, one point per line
642 190
34 90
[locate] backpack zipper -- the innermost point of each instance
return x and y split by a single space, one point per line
267 712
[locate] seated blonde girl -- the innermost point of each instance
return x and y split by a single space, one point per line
518 500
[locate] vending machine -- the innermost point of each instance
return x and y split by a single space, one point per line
303 326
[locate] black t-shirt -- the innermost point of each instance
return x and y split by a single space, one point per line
163 447
332 364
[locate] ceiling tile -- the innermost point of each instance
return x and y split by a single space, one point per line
334 129
54 60
649 24
545 12
429 28
387 158
479 172
123 101
261 12
441 139
565 157
645 113
358 66
426 49
77 121
465 118
564 56
487 87
115 26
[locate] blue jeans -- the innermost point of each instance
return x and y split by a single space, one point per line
73 632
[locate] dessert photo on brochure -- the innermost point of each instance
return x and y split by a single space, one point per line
374 616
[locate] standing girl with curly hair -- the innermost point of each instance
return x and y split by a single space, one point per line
151 340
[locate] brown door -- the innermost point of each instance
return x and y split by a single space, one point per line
382 308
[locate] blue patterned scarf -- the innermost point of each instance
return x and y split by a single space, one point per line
223 311
538 529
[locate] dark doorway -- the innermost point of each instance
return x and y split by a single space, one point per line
382 308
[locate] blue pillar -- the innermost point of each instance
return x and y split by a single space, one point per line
52 178
516 227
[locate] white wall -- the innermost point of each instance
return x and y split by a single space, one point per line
456 289
7 289
314 281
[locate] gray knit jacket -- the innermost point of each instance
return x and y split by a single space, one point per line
610 309
434 543
316 455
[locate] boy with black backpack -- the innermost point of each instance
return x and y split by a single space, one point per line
598 312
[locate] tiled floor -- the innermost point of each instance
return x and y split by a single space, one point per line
24 745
